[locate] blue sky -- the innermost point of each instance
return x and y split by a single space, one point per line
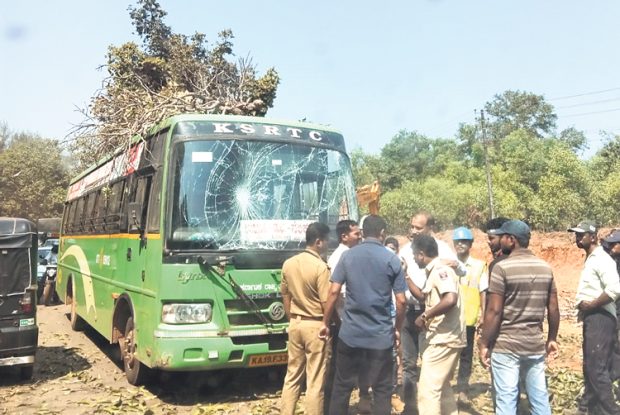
369 69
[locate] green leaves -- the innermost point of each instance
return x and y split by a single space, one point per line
450 202
518 110
33 177
537 176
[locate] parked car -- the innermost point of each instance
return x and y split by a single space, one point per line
50 242
19 333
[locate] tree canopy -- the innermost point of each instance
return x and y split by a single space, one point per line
169 73
537 173
518 110
34 176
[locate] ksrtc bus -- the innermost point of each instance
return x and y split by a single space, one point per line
173 246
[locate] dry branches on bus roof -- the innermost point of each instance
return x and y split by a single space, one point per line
168 74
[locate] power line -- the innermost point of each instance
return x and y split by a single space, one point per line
590 113
588 103
584 94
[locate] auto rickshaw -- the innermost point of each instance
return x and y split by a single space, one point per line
19 332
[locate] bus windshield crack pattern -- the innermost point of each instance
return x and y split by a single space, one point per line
259 195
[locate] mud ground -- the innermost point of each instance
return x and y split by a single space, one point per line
79 373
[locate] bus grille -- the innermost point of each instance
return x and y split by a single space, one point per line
240 314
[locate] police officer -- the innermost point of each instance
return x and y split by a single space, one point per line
443 328
305 286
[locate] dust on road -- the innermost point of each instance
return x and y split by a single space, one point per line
77 373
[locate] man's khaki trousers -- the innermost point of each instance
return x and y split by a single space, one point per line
308 356
435 395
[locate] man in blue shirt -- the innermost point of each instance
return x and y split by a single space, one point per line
367 334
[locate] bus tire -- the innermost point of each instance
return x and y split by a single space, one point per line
77 323
137 373
25 372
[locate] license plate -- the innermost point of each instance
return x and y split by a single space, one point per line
26 322
268 359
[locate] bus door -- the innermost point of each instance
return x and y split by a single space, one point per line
137 246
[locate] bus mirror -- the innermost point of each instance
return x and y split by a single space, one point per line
135 216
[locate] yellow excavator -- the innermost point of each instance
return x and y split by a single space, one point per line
369 195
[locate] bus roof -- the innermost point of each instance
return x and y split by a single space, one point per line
206 117
238 118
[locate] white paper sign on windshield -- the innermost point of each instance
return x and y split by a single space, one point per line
273 230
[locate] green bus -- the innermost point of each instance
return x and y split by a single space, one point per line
173 246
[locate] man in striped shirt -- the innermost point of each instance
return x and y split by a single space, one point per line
520 290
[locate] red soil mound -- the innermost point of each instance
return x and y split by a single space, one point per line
557 248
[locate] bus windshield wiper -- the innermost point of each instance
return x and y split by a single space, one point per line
219 270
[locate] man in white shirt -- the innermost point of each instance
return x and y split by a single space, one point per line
349 235
597 290
422 223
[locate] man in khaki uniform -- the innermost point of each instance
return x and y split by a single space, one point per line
305 287
444 323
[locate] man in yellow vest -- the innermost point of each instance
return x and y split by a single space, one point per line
473 286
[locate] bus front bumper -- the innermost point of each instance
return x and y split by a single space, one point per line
210 350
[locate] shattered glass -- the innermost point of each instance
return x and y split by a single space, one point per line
248 194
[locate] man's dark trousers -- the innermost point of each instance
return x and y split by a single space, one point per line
409 340
331 370
348 364
465 360
599 337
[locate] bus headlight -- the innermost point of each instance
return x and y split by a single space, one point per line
186 313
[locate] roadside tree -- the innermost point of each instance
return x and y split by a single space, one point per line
33 177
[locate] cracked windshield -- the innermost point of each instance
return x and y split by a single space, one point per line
233 194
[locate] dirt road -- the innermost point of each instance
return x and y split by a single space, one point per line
77 373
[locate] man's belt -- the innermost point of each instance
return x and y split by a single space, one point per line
300 317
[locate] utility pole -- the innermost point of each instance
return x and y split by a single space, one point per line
486 164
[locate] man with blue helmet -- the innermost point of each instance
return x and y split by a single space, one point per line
473 287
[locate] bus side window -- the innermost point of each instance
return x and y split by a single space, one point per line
82 214
153 150
113 211
154 210
89 214
70 216
79 214
99 213
141 196
65 216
